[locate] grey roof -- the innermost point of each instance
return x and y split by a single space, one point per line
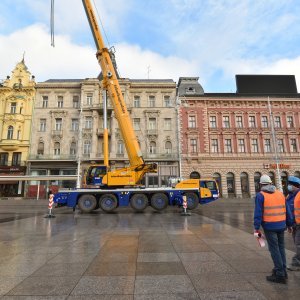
63 80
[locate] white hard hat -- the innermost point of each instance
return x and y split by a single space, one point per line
265 179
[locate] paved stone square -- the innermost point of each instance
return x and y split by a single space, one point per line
211 254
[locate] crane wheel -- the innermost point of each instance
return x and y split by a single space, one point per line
192 201
139 202
159 201
108 202
87 203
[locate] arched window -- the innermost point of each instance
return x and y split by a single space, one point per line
257 176
168 147
195 175
152 148
297 174
230 183
244 183
40 150
10 132
73 148
56 148
217 178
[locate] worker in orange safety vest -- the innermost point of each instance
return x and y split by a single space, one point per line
272 213
293 201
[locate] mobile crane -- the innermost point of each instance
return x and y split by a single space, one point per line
109 189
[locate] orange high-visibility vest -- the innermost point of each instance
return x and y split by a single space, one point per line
297 208
274 207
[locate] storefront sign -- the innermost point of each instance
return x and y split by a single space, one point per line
274 166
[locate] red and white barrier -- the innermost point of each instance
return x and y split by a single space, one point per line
50 205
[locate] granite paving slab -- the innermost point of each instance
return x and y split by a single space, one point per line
163 284
178 296
160 268
157 257
8 283
108 285
236 295
199 256
200 267
45 286
111 269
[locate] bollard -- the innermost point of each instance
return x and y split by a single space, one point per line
50 215
184 205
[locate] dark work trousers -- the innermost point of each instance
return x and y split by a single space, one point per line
296 237
275 241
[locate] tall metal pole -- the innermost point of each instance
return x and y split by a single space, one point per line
275 145
79 147
177 105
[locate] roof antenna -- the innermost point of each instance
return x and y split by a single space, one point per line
52 23
23 60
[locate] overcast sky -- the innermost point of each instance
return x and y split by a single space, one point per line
210 39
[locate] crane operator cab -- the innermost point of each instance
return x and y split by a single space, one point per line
95 174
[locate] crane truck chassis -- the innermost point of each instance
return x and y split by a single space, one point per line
138 198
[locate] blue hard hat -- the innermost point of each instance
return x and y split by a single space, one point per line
294 180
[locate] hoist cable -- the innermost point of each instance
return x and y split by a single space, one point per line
52 23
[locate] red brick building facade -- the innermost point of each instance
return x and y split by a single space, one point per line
232 137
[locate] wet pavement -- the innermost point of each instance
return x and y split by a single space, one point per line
211 254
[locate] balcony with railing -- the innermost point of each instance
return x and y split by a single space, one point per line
57 133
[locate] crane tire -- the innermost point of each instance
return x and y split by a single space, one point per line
108 202
192 201
139 202
87 203
159 201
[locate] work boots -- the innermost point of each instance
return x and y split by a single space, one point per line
277 279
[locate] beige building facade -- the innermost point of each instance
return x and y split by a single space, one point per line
68 129
17 97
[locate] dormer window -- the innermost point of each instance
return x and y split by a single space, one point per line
190 90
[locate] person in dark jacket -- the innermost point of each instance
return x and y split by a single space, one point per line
294 188
274 216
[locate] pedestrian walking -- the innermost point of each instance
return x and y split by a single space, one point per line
293 201
274 216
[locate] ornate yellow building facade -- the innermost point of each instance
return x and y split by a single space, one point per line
17 96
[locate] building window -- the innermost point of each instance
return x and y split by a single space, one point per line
226 123
264 122
293 145
290 121
13 107
167 124
241 145
277 122
213 122
239 121
58 124
75 101
87 147
40 149
228 146
75 125
280 145
252 123
88 123
137 124
56 148
16 159
60 101
120 147
45 101
43 125
152 148
10 132
192 121
4 159
254 145
194 148
168 147
19 135
151 101
73 148
152 124
214 146
167 101
89 99
267 145
137 101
